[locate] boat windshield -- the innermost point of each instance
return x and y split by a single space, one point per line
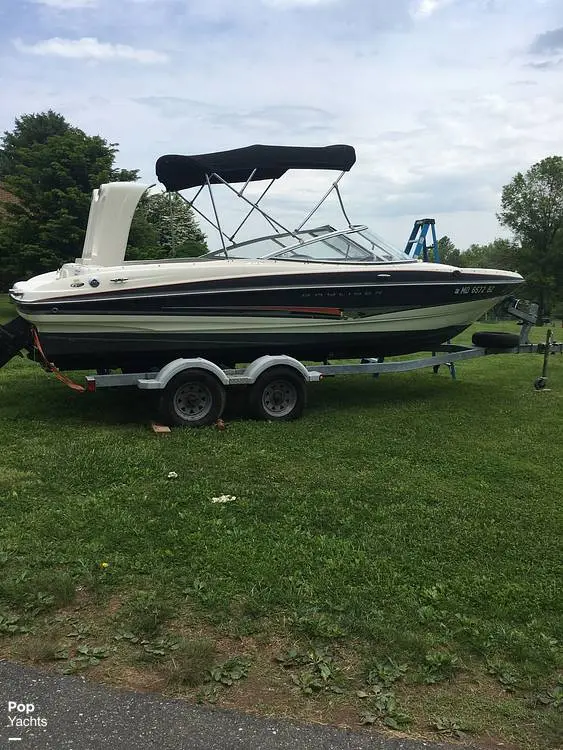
323 244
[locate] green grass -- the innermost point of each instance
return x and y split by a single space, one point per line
7 309
411 517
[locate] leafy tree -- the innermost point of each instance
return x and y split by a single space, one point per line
448 252
143 238
501 253
52 168
29 131
532 207
170 226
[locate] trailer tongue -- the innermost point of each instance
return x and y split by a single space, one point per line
14 336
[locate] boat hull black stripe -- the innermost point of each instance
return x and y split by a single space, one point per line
289 283
344 297
145 350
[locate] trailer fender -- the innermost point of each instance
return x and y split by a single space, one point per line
262 364
174 368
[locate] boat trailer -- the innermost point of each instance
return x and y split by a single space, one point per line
193 392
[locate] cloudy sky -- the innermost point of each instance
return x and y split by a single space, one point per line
444 100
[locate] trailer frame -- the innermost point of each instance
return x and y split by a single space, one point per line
193 391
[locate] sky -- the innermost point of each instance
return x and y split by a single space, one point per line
443 100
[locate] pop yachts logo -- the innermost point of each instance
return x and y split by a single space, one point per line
20 715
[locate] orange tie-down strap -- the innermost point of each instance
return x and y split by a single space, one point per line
52 368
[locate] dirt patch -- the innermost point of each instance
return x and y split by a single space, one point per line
490 717
132 678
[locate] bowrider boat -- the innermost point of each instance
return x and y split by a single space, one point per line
313 293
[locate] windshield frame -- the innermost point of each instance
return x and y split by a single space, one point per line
330 233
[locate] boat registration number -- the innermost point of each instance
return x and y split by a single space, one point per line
473 289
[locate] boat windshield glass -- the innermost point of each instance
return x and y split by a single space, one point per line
323 244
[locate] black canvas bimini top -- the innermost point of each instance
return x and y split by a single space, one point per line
270 162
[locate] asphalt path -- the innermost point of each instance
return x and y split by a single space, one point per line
45 711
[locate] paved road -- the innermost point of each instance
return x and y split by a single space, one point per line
87 716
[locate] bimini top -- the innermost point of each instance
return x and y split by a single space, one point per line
255 162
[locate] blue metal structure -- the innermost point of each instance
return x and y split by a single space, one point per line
417 245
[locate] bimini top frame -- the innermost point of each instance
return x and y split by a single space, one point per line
247 165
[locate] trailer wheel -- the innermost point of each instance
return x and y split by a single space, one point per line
192 399
278 395
495 340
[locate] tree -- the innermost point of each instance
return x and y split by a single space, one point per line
170 223
532 208
51 168
500 253
557 306
29 131
448 252
143 238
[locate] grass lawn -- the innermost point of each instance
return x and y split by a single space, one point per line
392 559
7 310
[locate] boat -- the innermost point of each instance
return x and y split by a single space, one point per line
312 292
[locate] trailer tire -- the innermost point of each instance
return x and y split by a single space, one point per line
194 398
278 395
495 340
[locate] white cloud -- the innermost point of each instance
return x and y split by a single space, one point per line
297 3
67 4
426 8
437 132
89 48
